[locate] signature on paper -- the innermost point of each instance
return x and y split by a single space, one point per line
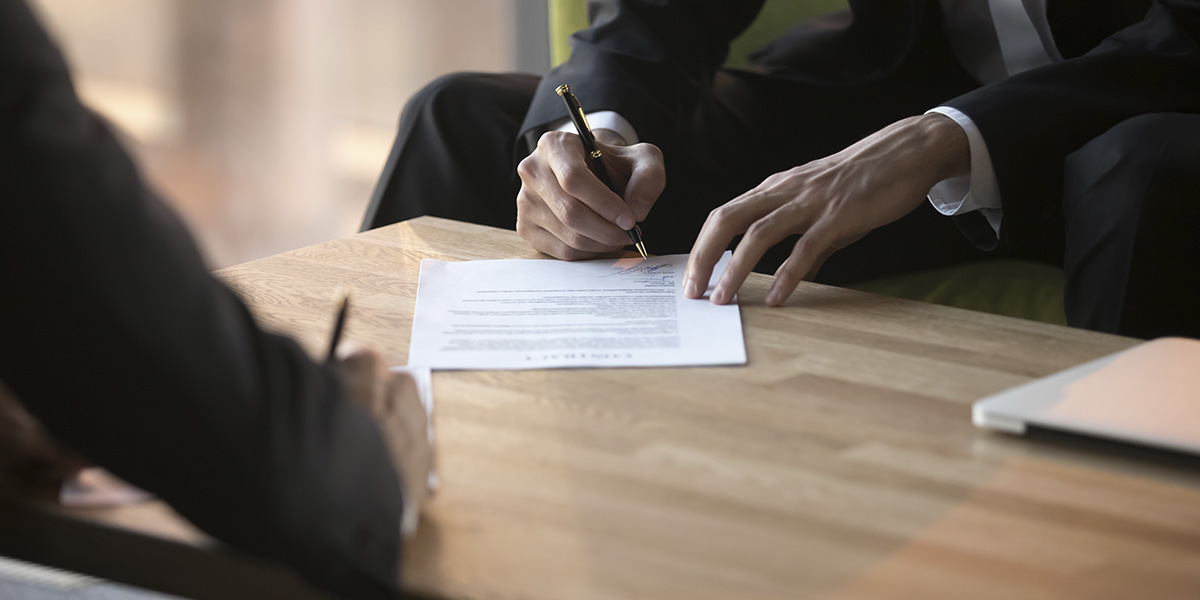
648 275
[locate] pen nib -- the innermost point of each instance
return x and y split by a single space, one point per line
641 246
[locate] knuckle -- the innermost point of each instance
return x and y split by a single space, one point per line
569 216
550 139
573 240
571 179
796 173
646 149
787 272
781 178
812 240
721 214
527 168
559 206
810 245
761 228
524 200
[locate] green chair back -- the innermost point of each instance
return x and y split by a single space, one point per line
569 16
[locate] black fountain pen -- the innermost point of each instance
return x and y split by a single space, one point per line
594 154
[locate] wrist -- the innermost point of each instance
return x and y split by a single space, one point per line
946 146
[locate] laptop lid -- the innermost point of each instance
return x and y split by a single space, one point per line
1148 394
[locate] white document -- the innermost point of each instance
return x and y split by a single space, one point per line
537 314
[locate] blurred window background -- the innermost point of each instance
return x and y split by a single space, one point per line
266 122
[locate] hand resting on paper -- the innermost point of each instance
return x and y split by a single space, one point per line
832 202
393 400
566 211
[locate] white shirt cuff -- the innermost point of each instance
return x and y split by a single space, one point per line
978 191
605 119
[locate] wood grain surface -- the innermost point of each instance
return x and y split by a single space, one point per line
839 462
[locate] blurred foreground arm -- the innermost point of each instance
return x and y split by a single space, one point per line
119 341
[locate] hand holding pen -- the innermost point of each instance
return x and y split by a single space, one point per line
565 210
393 400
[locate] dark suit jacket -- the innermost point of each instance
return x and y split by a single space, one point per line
114 334
651 60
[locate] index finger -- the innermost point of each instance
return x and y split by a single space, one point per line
722 224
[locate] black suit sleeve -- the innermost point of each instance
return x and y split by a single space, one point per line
114 334
646 59
1031 121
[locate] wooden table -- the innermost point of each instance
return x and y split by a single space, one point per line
840 462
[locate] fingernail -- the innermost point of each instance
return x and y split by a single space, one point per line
692 288
625 222
773 298
719 296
